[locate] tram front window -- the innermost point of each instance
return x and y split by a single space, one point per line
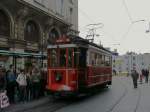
80 57
62 57
53 56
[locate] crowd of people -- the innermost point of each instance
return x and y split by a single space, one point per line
22 85
135 76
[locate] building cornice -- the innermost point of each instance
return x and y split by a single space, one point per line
45 11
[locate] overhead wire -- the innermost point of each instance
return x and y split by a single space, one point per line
86 15
126 33
131 20
91 20
127 10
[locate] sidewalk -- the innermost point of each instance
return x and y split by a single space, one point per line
20 107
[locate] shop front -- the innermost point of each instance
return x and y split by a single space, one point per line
20 60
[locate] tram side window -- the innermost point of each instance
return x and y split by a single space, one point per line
76 57
63 57
92 59
69 57
107 61
99 60
103 60
82 58
53 55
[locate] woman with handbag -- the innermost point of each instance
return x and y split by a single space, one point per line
22 81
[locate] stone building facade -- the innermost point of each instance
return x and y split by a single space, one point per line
26 26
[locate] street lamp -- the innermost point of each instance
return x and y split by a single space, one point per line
130 26
142 20
147 31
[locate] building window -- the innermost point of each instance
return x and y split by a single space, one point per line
134 64
54 34
31 32
4 24
70 13
114 61
71 1
62 5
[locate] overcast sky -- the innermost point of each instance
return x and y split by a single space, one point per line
117 22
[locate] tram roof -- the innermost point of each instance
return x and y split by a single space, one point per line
79 40
76 41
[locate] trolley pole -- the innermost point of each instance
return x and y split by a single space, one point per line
91 33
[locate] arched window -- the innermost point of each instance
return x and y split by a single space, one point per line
32 32
53 33
4 24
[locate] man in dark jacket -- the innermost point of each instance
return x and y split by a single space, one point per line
146 75
11 84
135 77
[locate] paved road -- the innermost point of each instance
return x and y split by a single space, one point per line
102 102
121 97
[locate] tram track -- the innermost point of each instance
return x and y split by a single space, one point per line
51 106
123 96
138 101
120 98
48 107
56 105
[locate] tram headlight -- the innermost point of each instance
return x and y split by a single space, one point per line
58 76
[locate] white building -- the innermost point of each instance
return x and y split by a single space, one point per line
125 63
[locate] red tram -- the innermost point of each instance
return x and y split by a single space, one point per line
76 65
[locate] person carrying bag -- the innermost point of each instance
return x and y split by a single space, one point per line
4 101
22 81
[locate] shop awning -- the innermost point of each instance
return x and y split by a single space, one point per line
22 54
4 52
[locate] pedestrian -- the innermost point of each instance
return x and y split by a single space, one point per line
43 82
35 78
143 74
135 76
2 84
4 101
29 85
22 81
146 75
2 79
141 78
11 83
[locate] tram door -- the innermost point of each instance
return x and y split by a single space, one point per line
80 63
